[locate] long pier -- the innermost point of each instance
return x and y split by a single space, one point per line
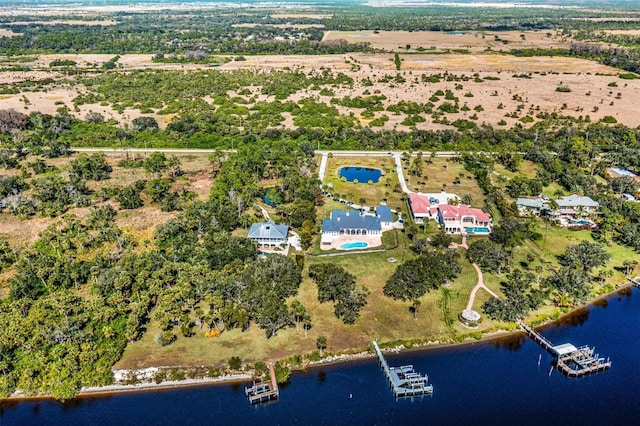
404 381
572 361
264 391
634 281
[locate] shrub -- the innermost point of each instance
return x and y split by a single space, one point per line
235 363
563 89
609 119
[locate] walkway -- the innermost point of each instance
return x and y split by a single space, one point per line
480 284
265 213
478 287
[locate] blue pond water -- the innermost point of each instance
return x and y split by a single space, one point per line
355 245
362 174
494 383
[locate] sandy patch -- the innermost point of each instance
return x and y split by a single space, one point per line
623 32
106 22
474 41
503 101
5 32
301 15
9 77
282 26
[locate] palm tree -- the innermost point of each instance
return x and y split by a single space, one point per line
321 343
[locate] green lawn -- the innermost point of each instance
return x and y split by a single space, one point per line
372 193
441 174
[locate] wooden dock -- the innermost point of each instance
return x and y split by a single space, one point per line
572 361
264 391
634 282
404 381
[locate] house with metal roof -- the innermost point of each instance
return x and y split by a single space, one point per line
352 222
268 234
573 206
385 215
529 206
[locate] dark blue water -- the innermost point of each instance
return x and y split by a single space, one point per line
363 174
496 382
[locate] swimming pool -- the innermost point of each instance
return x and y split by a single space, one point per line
579 222
477 230
354 245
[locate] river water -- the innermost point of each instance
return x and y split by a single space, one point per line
495 382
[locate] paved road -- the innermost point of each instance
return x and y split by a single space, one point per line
323 166
439 154
166 150
403 183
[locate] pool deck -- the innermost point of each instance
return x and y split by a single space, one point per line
371 240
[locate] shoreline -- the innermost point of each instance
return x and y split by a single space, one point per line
115 389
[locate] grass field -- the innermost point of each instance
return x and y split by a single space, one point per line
441 174
372 193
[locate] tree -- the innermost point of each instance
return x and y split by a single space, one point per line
397 61
321 344
570 285
94 117
415 277
298 311
140 124
156 163
489 255
91 167
629 266
332 281
585 256
337 285
511 231
519 297
415 304
349 305
129 196
235 363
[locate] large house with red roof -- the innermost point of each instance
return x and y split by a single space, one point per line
463 219
455 218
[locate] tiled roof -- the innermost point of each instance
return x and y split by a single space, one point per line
424 203
457 212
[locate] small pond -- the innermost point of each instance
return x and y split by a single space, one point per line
361 174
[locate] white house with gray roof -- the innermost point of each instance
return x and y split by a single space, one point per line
569 207
352 222
529 206
576 205
268 234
